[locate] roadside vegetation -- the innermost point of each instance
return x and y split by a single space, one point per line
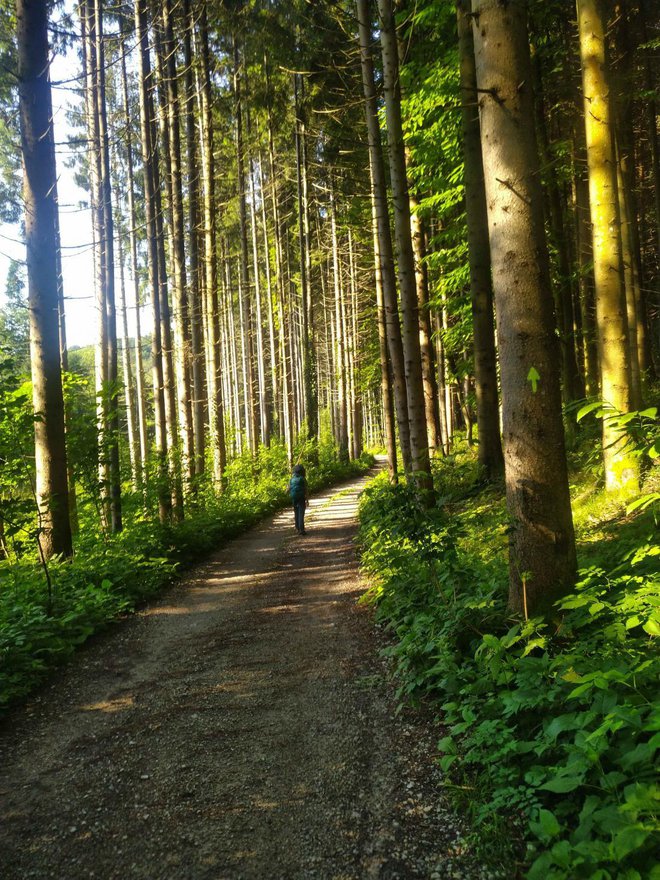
548 726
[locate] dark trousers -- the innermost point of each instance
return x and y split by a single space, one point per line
299 515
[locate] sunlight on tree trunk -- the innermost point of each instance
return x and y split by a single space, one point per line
621 468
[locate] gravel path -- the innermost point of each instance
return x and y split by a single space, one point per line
241 727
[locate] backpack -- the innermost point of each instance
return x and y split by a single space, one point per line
297 487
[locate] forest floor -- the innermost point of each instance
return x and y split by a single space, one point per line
243 726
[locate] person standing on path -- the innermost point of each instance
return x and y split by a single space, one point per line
297 489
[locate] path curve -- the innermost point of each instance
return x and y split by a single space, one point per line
240 727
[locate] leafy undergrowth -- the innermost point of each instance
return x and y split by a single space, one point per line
112 575
552 725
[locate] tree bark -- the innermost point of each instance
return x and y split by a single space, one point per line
252 419
164 225
149 158
542 560
379 196
139 369
481 289
39 179
192 175
570 380
419 449
94 152
214 375
621 469
340 341
584 247
308 357
109 267
177 242
129 385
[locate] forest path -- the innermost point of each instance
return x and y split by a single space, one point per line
240 727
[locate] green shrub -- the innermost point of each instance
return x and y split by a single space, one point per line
552 723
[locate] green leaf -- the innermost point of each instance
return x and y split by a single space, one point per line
589 408
580 689
562 784
652 627
447 744
549 823
627 840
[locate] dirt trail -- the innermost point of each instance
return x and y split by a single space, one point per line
241 727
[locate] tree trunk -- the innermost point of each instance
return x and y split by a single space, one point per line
570 384
429 375
164 224
445 412
621 468
177 242
246 305
652 133
109 266
271 381
145 80
264 403
192 175
481 288
308 358
129 386
214 378
630 282
585 262
355 349
64 356
419 449
139 370
542 561
340 341
379 196
94 151
39 179
627 48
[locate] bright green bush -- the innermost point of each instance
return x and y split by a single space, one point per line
552 724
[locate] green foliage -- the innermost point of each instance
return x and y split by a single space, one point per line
552 722
17 505
112 574
14 320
